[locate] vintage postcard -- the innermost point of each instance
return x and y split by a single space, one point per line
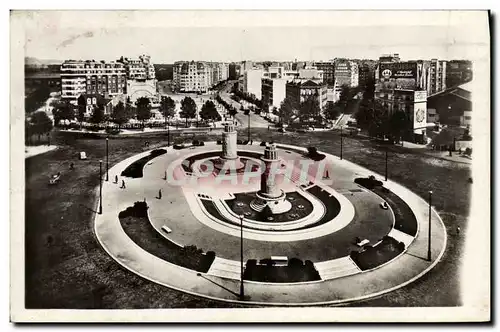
250 166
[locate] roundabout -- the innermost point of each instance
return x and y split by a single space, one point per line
330 228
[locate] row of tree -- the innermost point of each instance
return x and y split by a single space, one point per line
122 112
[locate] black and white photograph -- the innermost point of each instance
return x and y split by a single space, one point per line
272 166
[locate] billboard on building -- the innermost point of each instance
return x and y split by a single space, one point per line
420 112
398 70
398 75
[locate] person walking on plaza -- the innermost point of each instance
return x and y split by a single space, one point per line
123 184
458 230
116 178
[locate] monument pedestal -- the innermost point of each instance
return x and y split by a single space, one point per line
276 204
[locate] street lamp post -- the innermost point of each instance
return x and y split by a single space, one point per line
429 235
242 291
100 186
341 142
249 127
107 159
386 157
168 134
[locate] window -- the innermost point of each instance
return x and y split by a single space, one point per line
88 101
94 101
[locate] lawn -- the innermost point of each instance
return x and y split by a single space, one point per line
135 223
66 267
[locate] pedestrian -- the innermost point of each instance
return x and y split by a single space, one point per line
71 166
458 230
123 184
159 194
116 178
251 142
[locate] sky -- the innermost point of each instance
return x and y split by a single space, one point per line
258 36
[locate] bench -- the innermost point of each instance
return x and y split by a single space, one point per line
362 243
166 229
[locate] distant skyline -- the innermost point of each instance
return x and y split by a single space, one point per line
257 43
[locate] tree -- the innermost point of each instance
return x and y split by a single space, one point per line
143 109
188 109
63 110
373 117
332 111
399 123
209 111
167 108
97 114
40 123
309 108
120 114
82 109
287 110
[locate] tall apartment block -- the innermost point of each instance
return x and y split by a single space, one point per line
198 76
91 77
437 76
346 73
328 68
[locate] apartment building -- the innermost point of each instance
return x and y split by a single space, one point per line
91 77
328 68
198 76
346 73
273 92
437 76
299 90
458 72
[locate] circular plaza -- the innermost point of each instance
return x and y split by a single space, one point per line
265 224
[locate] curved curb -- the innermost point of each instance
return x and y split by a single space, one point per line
332 302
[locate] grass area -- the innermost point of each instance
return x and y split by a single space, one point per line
135 223
295 271
66 267
135 170
383 252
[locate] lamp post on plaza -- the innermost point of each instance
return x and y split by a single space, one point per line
386 157
100 186
429 235
341 142
107 159
242 291
249 126
168 134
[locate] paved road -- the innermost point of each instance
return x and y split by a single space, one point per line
256 121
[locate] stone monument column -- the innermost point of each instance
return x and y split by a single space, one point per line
268 187
229 141
270 194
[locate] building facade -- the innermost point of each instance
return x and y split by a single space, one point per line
198 76
299 90
328 68
273 92
437 76
346 73
92 101
252 82
458 72
91 77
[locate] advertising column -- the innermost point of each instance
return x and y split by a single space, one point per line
420 112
